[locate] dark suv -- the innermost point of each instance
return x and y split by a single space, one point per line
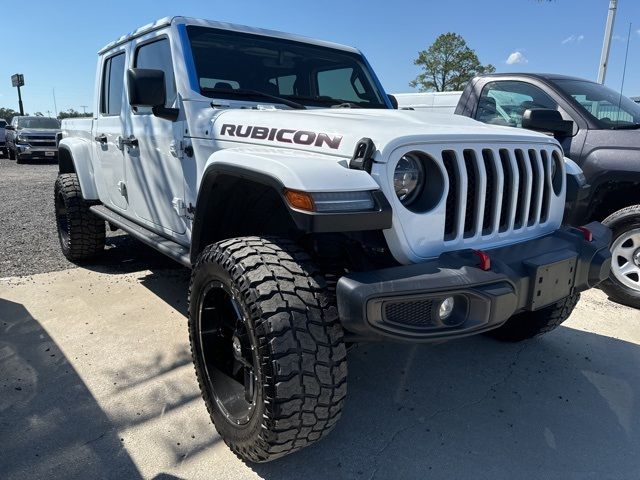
32 138
599 129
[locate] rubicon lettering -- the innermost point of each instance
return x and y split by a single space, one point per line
282 135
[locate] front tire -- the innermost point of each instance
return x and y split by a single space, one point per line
525 325
623 284
267 346
81 233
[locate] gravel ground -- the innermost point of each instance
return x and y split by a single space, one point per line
29 241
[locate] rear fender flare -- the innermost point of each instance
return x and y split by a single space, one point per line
75 157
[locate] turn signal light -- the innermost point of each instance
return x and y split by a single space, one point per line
485 260
586 233
299 200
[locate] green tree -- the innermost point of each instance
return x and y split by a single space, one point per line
8 113
448 64
71 113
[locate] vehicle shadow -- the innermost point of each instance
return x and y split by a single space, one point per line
51 426
563 406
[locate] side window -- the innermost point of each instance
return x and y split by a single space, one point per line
338 84
112 85
157 56
504 103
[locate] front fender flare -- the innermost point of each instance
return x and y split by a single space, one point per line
278 171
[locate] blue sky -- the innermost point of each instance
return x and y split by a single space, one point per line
54 43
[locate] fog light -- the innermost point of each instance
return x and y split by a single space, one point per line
446 308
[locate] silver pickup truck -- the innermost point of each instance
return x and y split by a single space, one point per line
32 138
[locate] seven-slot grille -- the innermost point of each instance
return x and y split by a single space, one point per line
497 190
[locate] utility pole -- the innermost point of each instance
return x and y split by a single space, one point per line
17 80
84 109
606 46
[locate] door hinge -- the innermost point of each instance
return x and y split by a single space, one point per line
180 148
179 206
176 148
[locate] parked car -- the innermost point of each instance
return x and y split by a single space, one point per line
3 134
599 129
32 138
313 215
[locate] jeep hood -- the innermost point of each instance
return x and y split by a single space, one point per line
337 131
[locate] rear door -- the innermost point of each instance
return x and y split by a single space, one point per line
109 129
155 175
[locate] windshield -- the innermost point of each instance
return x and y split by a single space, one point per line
307 74
38 122
607 107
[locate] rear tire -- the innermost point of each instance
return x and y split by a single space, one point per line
525 325
81 233
623 284
279 349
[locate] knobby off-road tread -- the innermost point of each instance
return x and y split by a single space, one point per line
86 230
531 324
301 348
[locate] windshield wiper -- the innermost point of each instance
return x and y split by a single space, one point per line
631 126
332 102
256 93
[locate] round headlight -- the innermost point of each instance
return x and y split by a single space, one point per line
408 178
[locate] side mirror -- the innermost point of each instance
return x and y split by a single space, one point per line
547 121
394 101
146 88
10 127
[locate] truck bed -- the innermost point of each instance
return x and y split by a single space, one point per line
77 127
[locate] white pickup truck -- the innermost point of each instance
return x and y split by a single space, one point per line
313 215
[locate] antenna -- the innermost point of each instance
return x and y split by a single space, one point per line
624 74
55 107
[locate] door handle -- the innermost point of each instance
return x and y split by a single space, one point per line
102 138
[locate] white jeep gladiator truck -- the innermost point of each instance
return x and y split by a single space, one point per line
313 216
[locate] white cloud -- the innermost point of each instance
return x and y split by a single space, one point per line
573 39
516 57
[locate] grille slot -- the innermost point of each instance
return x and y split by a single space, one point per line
451 166
496 190
417 313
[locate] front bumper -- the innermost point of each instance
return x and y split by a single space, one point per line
402 303
33 152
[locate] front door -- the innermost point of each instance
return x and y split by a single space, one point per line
154 173
109 129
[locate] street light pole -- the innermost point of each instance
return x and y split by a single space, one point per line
606 46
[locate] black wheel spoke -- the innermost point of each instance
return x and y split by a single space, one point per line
226 347
249 384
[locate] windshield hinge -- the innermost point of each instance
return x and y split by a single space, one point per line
363 155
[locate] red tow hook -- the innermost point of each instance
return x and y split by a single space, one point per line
586 233
485 260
